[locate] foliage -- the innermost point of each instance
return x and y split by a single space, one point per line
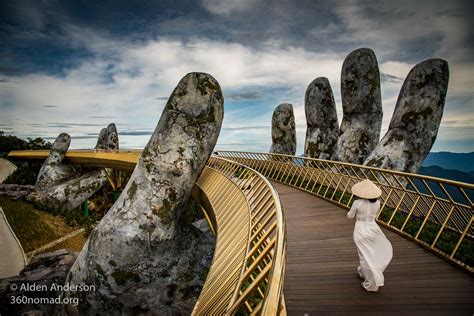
22 175
25 173
30 225
446 241
10 142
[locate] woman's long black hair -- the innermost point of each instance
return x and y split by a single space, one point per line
373 200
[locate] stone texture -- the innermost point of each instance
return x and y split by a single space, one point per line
108 138
43 270
16 191
54 170
321 119
283 130
59 185
144 256
362 107
416 119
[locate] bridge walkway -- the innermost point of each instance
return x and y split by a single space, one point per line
321 263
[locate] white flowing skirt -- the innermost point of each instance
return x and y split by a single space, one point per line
375 253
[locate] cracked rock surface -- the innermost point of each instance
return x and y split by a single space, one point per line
321 118
59 186
108 138
416 119
283 130
47 270
144 256
362 107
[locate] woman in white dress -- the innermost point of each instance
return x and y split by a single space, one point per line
374 249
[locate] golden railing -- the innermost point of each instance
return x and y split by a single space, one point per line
244 211
247 272
435 213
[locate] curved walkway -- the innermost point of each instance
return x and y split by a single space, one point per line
6 168
13 259
321 277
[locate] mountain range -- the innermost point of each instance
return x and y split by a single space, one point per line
448 160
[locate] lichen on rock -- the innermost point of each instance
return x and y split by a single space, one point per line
59 186
321 119
144 256
362 107
108 138
42 279
416 119
283 130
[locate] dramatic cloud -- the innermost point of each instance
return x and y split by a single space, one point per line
94 64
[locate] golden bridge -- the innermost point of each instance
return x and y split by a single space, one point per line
284 244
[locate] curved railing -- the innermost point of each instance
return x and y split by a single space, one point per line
247 272
435 213
124 159
244 211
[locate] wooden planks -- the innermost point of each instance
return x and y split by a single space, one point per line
321 277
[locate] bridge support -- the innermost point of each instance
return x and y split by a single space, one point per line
85 208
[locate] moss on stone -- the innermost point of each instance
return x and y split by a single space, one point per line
172 195
206 117
364 141
148 166
122 277
413 117
206 86
312 150
164 212
394 137
99 270
171 289
187 292
375 162
131 191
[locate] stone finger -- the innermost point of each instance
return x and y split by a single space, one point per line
361 105
283 130
416 119
321 119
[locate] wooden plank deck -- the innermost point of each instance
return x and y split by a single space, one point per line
321 277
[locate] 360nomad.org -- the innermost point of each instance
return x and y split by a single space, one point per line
21 298
24 300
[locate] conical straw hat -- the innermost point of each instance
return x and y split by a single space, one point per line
366 189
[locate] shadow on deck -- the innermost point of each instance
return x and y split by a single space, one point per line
321 264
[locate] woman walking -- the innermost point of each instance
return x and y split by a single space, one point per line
374 249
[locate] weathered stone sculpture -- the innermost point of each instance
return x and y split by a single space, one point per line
283 130
144 256
321 119
54 171
416 119
362 107
108 138
59 185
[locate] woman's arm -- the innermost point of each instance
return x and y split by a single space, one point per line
352 212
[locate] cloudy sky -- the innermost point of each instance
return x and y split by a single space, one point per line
75 66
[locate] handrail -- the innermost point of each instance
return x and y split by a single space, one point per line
247 272
115 159
249 215
435 213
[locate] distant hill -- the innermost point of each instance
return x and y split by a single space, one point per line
447 160
452 174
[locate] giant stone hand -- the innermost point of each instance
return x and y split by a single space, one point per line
414 123
59 186
144 256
